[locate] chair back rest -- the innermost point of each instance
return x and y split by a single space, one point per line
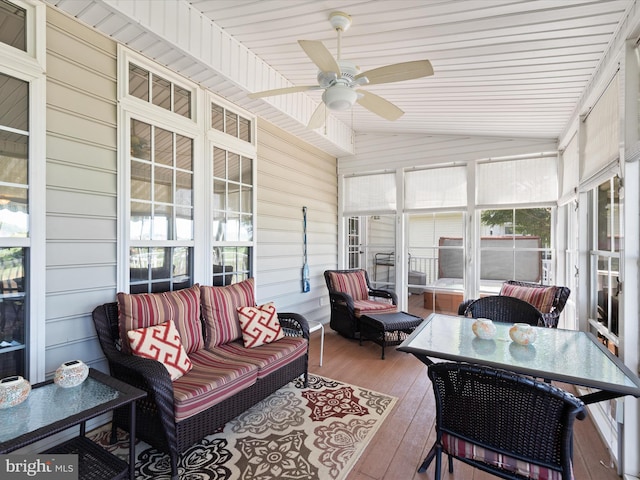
546 298
507 413
505 309
352 282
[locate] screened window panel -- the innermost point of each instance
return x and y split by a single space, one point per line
530 180
436 187
601 132
370 193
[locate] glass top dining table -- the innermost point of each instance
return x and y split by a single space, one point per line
562 355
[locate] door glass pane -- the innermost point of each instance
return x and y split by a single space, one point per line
182 101
138 82
161 91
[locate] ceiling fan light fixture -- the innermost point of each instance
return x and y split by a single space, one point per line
339 97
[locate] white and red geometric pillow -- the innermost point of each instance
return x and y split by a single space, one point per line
162 343
259 325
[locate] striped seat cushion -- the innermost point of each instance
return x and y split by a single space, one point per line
212 379
220 311
144 310
540 297
352 283
463 449
362 307
268 357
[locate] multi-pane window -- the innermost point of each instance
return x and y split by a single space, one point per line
14 224
231 123
233 217
161 206
159 91
605 263
13 28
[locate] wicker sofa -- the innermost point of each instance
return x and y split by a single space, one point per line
225 379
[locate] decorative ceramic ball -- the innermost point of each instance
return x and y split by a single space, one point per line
13 391
484 328
71 374
522 333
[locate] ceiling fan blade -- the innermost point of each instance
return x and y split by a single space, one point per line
318 117
319 55
379 105
282 91
398 72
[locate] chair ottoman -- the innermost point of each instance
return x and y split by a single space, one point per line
387 328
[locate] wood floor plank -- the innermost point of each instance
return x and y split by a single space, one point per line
405 437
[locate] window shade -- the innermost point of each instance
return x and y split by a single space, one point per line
531 180
436 187
570 163
370 193
601 132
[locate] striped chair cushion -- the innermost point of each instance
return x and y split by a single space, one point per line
461 448
540 297
352 283
362 307
211 380
220 311
268 357
144 310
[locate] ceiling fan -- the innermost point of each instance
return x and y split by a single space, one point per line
340 79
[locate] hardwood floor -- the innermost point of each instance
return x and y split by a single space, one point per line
407 434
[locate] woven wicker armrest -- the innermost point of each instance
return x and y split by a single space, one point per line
384 294
342 298
294 324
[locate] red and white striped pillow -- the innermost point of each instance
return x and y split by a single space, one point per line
148 309
259 325
161 343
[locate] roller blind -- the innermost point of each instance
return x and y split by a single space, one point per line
570 164
370 193
530 180
601 132
436 187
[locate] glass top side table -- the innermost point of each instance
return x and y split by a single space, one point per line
50 409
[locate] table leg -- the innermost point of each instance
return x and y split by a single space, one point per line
132 442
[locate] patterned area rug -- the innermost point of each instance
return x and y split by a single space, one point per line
297 433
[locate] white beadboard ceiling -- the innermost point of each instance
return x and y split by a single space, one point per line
508 68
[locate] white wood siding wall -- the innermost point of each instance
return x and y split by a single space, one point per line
81 188
293 174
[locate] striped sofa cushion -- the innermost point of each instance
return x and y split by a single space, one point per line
268 357
540 297
463 449
352 283
220 311
362 307
144 310
211 380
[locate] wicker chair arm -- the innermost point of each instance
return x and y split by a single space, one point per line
295 325
342 298
384 294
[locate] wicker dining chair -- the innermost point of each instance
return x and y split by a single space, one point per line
501 308
506 424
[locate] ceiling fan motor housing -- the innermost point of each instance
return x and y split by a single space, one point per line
339 97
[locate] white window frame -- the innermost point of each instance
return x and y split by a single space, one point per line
205 137
30 66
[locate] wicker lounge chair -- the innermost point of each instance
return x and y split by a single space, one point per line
351 296
511 426
504 309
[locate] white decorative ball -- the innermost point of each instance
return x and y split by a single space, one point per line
71 374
